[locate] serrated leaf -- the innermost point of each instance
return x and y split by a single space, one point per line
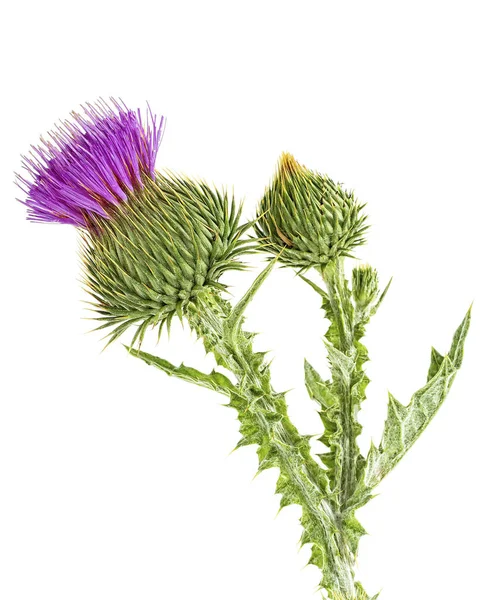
456 353
381 298
264 422
215 381
404 424
317 387
362 595
331 417
345 391
435 363
354 531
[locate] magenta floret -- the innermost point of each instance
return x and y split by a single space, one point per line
90 163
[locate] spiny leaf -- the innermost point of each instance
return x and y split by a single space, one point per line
456 353
322 293
214 381
435 363
353 531
404 424
362 595
235 318
331 417
341 397
381 299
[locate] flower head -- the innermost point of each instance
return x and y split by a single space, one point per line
306 219
88 165
161 252
153 245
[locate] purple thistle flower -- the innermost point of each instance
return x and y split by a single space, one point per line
91 163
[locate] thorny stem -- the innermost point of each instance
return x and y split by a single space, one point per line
263 416
344 318
333 275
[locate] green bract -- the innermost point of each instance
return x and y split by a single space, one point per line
306 219
158 251
364 282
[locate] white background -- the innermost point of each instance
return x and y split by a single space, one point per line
115 481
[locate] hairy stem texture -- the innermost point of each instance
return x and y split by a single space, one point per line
264 421
262 413
328 496
339 400
352 477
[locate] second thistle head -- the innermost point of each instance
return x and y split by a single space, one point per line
306 219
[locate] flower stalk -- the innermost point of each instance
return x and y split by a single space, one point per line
308 221
264 420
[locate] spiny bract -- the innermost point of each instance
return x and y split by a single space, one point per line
158 251
306 219
364 281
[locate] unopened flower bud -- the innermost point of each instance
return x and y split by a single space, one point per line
364 286
306 219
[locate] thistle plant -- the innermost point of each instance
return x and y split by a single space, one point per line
155 246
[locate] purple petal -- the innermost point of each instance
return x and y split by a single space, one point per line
90 163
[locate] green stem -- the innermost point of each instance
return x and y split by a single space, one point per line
264 421
344 336
333 275
339 399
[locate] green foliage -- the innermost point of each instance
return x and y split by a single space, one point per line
306 219
352 477
264 422
404 424
161 250
328 496
163 246
162 254
215 380
340 397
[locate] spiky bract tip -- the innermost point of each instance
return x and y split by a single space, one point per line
91 163
168 244
306 219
